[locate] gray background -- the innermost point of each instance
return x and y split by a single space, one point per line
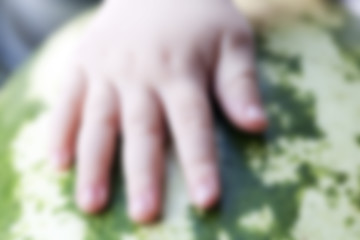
24 24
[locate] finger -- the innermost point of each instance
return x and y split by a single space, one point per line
189 113
236 85
143 152
65 121
96 147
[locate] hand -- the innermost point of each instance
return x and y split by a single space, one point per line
141 63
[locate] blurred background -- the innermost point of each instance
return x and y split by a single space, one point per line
24 24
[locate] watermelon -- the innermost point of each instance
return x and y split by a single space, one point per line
298 181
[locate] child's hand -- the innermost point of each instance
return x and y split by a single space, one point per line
143 64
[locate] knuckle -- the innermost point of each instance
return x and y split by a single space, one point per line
242 38
239 79
142 123
101 110
239 85
144 128
191 119
103 117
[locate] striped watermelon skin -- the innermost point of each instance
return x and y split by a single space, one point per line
298 181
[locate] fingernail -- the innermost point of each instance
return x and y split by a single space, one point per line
92 198
138 207
87 197
202 195
141 205
60 160
205 193
255 113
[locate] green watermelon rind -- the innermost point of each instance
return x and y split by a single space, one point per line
298 181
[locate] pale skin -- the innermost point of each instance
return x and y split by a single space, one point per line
145 67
